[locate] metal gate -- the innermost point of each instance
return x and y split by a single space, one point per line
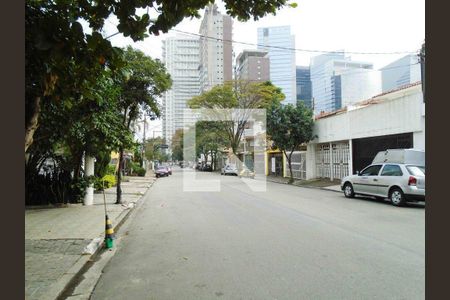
341 155
298 161
335 161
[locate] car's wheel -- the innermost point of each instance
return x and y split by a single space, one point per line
348 190
397 197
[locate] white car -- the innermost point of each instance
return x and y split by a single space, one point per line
398 182
229 169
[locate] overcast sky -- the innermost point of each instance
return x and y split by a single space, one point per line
325 25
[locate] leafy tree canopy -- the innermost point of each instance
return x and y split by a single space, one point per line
62 58
288 127
243 95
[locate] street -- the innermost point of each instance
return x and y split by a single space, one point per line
285 243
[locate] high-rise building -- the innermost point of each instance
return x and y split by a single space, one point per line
401 72
253 65
303 79
215 48
338 81
181 59
280 44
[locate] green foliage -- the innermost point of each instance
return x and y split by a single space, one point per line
177 145
106 182
48 179
101 165
64 61
141 172
242 95
152 150
111 170
81 93
135 169
145 80
288 127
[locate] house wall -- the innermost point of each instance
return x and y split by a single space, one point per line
399 112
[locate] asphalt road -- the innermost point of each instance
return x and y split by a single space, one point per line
285 243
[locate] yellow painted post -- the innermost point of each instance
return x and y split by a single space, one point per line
266 159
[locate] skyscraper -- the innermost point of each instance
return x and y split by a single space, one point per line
181 58
303 79
401 72
253 65
278 41
338 81
215 48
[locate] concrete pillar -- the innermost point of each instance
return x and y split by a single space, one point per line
89 171
310 161
331 162
350 157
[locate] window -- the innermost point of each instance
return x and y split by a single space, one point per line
391 170
416 170
371 170
266 32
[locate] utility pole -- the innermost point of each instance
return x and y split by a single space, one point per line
422 68
143 144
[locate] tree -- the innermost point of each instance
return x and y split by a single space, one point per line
210 137
61 58
153 149
177 145
288 127
242 95
70 129
143 82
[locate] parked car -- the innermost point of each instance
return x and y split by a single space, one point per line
207 168
161 171
399 177
229 170
169 170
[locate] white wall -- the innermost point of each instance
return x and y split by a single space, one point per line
398 113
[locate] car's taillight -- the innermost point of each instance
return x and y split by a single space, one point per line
412 180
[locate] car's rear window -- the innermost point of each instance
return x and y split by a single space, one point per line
416 170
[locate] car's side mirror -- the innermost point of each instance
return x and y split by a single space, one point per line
357 173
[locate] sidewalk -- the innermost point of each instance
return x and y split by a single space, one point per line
55 238
324 184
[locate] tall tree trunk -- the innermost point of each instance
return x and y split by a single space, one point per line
119 178
289 159
33 124
119 170
78 164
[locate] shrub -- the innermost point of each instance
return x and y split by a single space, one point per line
140 172
111 170
136 169
106 181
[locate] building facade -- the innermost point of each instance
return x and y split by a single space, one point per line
280 44
253 65
304 89
403 71
181 59
215 66
358 84
348 139
338 81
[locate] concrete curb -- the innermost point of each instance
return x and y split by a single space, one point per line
68 279
306 186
